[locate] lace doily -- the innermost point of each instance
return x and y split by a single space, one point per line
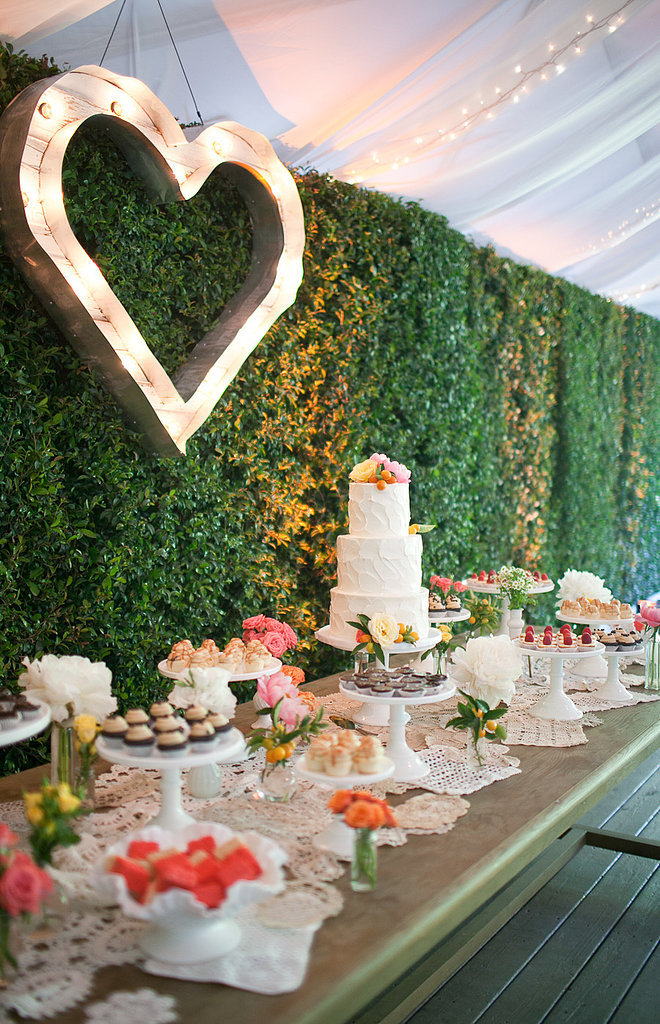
430 813
133 1008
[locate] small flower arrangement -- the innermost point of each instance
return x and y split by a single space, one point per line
484 614
515 583
379 631
70 685
476 715
364 813
443 645
649 620
50 812
380 470
290 718
447 585
23 888
277 637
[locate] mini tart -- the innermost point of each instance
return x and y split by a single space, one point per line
172 742
196 713
201 734
161 709
136 716
139 739
114 729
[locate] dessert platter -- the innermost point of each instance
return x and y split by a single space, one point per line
343 760
395 688
462 615
557 646
596 667
169 743
243 661
21 717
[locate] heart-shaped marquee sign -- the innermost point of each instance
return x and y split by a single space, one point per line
35 131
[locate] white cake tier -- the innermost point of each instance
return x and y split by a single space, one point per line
374 513
379 565
345 606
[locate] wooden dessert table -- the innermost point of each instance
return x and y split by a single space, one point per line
407 935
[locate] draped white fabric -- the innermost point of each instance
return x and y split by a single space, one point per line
531 124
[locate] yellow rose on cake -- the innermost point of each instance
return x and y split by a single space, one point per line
384 629
361 473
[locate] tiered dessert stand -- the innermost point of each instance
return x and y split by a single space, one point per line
595 667
506 626
26 727
556 704
235 677
377 714
338 837
462 615
613 689
171 814
407 764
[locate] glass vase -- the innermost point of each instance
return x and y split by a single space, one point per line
63 754
652 666
278 782
477 751
10 944
364 862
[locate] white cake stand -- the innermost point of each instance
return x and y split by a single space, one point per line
26 727
613 688
407 764
489 588
462 615
236 677
171 814
595 667
378 714
556 704
338 836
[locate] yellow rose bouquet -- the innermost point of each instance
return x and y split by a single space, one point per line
85 728
50 812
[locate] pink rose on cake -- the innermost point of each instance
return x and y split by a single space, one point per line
400 471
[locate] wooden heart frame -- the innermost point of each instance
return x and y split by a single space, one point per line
35 131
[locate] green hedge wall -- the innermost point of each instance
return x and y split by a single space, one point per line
524 406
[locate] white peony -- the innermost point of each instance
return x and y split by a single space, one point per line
208 687
487 668
70 685
576 583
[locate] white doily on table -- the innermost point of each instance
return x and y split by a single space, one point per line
430 813
142 1007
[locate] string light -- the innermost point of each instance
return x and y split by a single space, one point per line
643 215
555 62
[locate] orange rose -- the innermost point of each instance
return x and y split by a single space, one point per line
296 675
363 814
340 800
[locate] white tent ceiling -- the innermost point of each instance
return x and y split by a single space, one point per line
531 124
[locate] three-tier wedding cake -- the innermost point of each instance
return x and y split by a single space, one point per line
379 561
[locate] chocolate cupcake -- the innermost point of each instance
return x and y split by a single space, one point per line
161 709
220 722
195 713
202 735
173 744
136 716
114 729
139 740
168 723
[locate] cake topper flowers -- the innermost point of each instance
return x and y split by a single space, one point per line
380 470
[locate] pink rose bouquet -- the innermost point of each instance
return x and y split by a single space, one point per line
276 636
23 888
649 620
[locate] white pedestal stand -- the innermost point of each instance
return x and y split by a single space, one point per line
556 704
594 667
613 688
407 764
338 837
171 814
505 626
26 727
377 714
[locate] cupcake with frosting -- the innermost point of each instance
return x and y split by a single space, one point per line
202 736
114 729
139 739
172 744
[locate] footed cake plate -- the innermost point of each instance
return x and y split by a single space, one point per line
273 666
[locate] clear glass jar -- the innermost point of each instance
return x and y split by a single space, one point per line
278 782
364 862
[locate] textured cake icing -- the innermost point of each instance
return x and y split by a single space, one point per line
379 563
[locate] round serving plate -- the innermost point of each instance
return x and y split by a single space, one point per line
26 727
462 615
556 704
235 677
